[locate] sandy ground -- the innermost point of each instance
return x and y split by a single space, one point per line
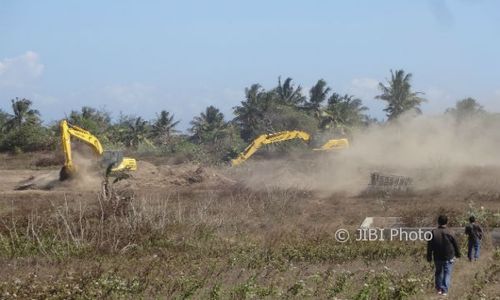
326 203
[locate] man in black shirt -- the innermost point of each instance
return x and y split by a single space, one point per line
443 249
475 235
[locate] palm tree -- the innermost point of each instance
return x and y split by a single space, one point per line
23 114
288 94
399 96
208 125
164 127
343 112
250 113
93 120
466 109
317 95
136 132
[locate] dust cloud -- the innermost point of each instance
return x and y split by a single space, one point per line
435 151
88 176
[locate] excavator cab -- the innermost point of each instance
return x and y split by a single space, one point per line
111 157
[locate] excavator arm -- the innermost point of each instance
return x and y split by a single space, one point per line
114 161
68 131
265 139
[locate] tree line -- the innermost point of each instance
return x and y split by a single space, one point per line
211 138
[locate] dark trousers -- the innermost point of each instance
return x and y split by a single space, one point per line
443 274
473 249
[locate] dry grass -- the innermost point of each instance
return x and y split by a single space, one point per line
228 243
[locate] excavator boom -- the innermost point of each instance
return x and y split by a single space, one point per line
265 139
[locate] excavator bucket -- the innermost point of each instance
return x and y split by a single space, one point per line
65 174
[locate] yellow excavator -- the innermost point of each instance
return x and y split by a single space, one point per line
264 139
112 161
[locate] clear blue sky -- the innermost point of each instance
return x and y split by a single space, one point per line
140 57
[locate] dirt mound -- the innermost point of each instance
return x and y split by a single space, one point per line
147 176
45 181
50 181
151 176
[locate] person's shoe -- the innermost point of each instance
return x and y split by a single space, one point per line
444 294
440 293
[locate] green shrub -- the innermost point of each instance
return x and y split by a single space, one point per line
28 138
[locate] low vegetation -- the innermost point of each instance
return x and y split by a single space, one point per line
234 243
